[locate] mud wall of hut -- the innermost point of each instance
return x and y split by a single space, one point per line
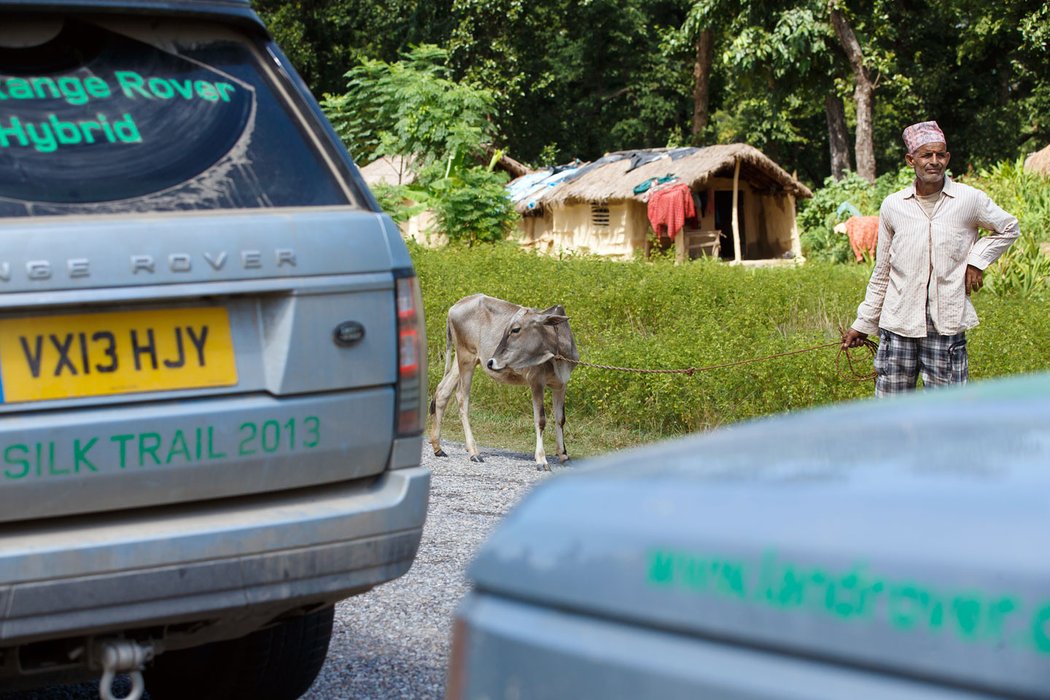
613 230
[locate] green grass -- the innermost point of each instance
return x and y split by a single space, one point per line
658 315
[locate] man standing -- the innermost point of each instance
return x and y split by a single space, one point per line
928 260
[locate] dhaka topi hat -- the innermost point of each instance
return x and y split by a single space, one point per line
921 134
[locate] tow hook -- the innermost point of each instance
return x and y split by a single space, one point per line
122 656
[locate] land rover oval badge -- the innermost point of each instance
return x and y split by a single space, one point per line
348 333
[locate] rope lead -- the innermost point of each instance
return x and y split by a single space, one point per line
868 344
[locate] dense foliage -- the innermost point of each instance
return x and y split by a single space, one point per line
658 315
835 202
411 110
576 79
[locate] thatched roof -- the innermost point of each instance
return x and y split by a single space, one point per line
617 174
1038 162
401 170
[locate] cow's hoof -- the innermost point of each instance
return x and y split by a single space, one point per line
440 453
563 458
544 467
476 458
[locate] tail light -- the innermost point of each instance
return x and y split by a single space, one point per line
411 355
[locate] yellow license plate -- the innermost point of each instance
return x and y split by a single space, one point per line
58 357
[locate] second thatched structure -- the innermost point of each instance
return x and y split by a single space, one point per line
743 205
1039 162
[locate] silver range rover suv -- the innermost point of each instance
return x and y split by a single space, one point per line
211 357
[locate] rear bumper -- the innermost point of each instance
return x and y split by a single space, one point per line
214 562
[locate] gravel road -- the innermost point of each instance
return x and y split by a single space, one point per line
393 642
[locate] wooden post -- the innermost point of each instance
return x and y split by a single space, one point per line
796 241
736 214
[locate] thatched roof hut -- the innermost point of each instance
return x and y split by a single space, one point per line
744 204
616 175
1039 162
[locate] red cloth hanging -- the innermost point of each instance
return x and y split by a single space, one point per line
670 207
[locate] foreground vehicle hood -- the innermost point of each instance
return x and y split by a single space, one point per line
905 535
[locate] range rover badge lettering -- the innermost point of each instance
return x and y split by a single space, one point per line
348 333
252 259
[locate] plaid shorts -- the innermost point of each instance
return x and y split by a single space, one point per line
941 359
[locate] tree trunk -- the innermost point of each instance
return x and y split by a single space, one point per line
838 146
863 93
701 84
864 147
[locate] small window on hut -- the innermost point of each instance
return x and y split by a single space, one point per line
599 216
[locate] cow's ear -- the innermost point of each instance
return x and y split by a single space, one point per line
556 309
553 319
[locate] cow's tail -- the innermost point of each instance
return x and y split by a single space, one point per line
448 345
448 360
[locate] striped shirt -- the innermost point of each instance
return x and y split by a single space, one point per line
921 260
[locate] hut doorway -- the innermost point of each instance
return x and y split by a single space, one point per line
724 223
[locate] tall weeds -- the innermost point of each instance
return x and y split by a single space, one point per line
1024 269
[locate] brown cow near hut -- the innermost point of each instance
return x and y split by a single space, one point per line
515 345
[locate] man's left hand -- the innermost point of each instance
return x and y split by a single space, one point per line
974 279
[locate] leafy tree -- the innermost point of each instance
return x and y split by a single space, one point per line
577 79
573 79
325 38
697 31
775 64
412 109
1001 84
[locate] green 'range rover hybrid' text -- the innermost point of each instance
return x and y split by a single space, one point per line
48 132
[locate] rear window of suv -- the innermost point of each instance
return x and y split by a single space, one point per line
108 116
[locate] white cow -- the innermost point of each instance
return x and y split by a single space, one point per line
515 345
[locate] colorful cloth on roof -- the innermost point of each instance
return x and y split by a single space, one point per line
652 182
669 208
921 134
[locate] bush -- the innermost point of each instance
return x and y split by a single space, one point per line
836 202
1023 269
472 206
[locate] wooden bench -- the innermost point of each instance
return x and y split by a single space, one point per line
691 244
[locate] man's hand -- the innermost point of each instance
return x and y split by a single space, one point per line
853 338
974 279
